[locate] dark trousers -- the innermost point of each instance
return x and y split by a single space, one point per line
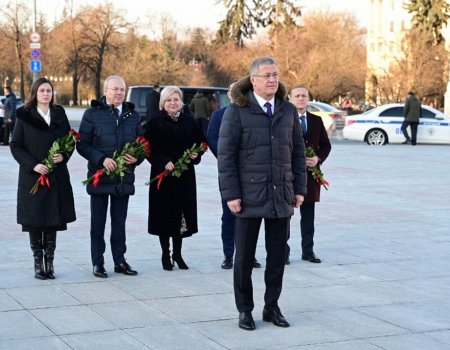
307 212
228 222
7 130
118 213
202 124
246 237
413 126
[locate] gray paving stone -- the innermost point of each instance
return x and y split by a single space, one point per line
42 297
72 320
376 229
21 324
174 337
42 343
111 340
132 314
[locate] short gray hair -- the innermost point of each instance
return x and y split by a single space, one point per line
254 67
166 92
111 77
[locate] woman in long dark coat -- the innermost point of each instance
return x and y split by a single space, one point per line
172 207
39 123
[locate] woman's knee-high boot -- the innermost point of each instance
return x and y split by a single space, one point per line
49 253
36 244
176 256
165 248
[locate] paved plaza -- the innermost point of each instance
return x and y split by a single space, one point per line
382 232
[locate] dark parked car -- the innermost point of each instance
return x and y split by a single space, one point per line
138 94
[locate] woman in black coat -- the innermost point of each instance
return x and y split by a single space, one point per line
39 123
172 207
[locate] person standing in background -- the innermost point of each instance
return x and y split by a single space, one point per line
9 116
201 109
152 102
315 136
412 113
228 218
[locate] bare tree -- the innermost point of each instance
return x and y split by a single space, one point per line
17 27
100 28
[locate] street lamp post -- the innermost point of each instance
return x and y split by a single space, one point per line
35 73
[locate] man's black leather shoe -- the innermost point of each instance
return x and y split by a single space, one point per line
406 142
227 263
99 271
256 264
311 257
275 316
246 321
125 269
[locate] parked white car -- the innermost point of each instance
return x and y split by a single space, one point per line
382 125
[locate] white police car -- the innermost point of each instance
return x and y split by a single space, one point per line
382 125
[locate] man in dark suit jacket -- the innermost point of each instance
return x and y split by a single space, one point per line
152 102
228 219
315 136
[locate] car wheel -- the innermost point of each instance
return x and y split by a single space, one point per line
376 137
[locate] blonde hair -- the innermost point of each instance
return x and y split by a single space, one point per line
166 92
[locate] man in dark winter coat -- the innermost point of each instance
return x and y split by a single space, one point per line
105 128
262 175
315 136
412 114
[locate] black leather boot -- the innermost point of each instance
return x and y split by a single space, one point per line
49 253
165 258
176 256
36 244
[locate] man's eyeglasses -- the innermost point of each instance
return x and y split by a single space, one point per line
267 76
117 89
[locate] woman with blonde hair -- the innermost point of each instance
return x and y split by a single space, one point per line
173 202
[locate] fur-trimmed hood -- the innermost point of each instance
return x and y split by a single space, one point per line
244 85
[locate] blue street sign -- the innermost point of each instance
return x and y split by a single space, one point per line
35 66
35 54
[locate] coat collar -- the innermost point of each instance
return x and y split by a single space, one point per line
240 90
32 117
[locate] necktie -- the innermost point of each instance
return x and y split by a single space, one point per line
303 120
269 109
116 112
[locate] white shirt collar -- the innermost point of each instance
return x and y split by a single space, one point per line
45 116
262 101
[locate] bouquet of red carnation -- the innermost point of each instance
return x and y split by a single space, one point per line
65 144
137 148
315 170
181 164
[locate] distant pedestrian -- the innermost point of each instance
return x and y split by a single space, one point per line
347 106
152 102
412 113
39 123
9 116
201 109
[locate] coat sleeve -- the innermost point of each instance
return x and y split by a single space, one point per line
20 154
228 153
324 142
85 146
298 157
213 131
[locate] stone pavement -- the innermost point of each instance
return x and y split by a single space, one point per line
382 233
